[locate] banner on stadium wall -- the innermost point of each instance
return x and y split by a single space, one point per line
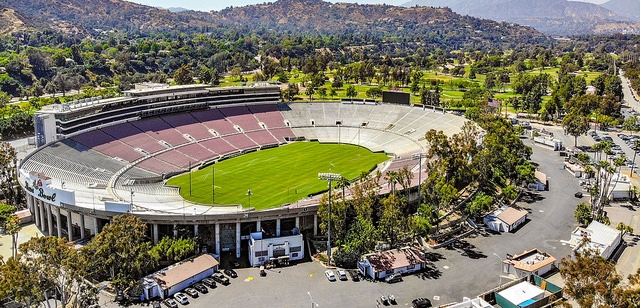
39 186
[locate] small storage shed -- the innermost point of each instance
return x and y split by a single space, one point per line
520 295
505 219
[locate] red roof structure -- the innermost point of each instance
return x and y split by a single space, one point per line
395 258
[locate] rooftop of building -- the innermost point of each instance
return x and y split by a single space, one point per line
395 258
511 214
173 275
531 260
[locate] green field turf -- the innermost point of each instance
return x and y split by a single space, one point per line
275 176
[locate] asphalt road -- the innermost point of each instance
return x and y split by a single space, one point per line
467 268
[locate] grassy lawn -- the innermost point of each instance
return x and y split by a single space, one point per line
449 92
276 176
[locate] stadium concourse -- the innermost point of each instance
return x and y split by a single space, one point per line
98 158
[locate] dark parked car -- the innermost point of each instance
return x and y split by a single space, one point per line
120 296
209 282
421 303
578 194
231 273
393 278
355 275
201 288
191 292
262 273
220 278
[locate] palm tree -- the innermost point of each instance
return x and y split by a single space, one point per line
343 183
618 162
636 145
392 178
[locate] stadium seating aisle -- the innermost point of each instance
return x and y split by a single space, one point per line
219 145
157 166
185 123
134 137
240 141
197 152
213 119
268 114
160 130
262 137
281 133
241 116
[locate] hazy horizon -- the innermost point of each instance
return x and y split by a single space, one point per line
202 5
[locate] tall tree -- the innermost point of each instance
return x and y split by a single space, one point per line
20 280
351 91
183 75
58 266
575 123
120 252
13 194
593 281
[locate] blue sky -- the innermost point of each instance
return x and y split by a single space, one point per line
208 5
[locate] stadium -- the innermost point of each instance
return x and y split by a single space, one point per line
98 158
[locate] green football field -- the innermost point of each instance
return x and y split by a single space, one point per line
275 176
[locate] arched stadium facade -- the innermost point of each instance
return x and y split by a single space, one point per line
99 158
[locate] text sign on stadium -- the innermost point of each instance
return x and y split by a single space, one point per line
41 189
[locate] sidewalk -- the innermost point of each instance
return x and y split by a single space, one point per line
28 231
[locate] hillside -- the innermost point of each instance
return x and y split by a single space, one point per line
438 24
100 14
553 17
11 21
428 27
627 8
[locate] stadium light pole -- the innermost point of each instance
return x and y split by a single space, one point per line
131 202
419 156
327 176
249 193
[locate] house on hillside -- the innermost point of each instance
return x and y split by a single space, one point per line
395 261
505 219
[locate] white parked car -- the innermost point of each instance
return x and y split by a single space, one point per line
181 298
330 275
342 275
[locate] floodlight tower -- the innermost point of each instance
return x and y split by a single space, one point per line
327 176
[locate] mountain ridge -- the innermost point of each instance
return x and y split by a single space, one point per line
434 27
552 17
627 8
